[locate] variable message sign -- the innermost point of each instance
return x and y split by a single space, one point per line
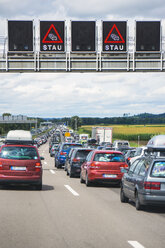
52 36
20 36
114 37
147 36
83 36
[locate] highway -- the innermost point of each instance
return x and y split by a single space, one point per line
67 214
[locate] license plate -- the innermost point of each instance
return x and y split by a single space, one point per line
109 176
16 168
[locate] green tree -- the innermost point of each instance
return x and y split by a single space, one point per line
6 114
75 122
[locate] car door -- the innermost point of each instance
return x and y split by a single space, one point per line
128 179
136 180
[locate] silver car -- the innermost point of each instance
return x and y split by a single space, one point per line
144 183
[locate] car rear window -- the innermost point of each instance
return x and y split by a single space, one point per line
67 146
82 154
158 169
109 157
19 153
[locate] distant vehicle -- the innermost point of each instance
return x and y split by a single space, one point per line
103 166
83 138
102 134
20 162
140 151
77 158
121 144
64 150
53 149
130 153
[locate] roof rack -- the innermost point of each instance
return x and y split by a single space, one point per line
21 137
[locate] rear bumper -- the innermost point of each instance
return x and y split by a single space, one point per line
152 200
105 176
76 170
36 179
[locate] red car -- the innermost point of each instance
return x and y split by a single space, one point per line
20 163
103 166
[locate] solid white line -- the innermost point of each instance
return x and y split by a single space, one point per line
71 190
52 171
135 244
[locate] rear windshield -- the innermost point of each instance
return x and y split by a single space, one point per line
20 153
82 154
158 169
107 157
67 146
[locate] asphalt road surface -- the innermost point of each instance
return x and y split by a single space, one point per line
67 214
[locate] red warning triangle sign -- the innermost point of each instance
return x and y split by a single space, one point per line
114 36
52 36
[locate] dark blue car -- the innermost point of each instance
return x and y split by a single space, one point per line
64 150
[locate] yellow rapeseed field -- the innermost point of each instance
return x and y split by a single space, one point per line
134 129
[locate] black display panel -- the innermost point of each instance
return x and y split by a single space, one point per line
20 36
52 36
147 36
114 38
83 36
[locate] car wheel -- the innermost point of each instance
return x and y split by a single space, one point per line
81 179
123 198
71 174
87 182
58 166
137 202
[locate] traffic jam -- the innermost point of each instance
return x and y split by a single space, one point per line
138 172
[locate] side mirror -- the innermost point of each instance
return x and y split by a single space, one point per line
42 158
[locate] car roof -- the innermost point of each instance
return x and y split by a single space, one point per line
107 151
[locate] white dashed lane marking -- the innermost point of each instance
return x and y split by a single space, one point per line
135 244
71 190
52 171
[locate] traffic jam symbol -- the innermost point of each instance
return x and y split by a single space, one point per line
114 40
52 40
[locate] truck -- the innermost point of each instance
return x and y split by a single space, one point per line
102 134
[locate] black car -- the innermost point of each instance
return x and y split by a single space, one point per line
77 158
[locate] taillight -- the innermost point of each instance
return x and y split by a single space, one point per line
94 166
152 185
76 160
38 167
123 168
1 167
63 153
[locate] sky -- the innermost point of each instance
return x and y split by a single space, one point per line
57 95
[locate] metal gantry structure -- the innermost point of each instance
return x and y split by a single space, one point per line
69 61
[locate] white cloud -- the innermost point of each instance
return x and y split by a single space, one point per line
99 94
83 94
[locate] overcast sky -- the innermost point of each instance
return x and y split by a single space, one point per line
87 94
